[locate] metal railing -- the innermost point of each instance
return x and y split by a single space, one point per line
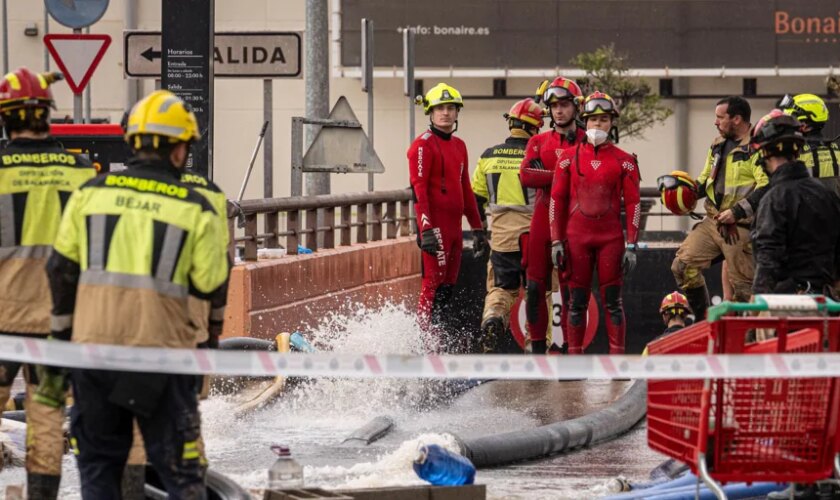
339 220
330 215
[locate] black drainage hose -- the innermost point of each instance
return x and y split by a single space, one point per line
16 415
602 425
219 487
247 344
372 431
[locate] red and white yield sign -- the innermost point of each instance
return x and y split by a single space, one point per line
77 56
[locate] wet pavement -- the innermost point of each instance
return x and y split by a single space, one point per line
314 417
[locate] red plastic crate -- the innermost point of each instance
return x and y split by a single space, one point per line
749 429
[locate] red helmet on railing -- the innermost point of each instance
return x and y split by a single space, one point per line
526 111
562 89
23 89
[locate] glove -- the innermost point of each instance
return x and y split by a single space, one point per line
429 241
536 164
628 262
558 255
480 245
52 386
729 233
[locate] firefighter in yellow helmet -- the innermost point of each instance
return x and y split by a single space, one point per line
821 156
439 174
496 186
37 176
131 248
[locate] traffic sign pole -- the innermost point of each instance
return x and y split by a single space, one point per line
77 97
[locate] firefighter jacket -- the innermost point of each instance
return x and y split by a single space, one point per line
795 235
744 181
496 178
132 246
825 155
200 309
437 165
37 177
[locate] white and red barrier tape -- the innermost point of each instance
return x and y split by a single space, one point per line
333 364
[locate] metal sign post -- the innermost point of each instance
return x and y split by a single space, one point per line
408 72
367 79
77 97
187 68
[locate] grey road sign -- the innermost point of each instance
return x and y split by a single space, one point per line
262 54
76 14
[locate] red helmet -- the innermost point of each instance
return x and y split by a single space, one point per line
598 103
679 192
526 111
560 89
777 132
23 88
674 303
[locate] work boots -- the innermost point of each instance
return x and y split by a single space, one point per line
698 299
42 486
491 331
538 346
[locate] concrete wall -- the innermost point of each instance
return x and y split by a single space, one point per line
295 292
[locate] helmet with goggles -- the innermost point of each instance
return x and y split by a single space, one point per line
598 103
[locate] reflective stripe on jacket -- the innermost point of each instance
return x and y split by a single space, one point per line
742 175
139 242
496 178
37 177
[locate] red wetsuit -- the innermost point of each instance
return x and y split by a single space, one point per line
586 197
537 261
439 175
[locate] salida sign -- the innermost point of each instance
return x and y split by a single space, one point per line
235 54
549 33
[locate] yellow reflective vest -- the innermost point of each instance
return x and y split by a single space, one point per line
742 175
200 310
822 158
496 178
37 177
139 242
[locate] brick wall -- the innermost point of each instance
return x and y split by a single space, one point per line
294 292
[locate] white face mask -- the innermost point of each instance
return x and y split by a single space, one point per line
596 136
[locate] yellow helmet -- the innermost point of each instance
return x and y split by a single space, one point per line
161 114
440 94
807 108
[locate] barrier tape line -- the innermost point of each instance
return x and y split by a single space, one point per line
331 364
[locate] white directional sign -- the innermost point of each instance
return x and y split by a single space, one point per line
261 54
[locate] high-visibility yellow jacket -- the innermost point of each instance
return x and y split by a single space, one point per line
744 180
496 178
825 156
37 177
200 309
138 242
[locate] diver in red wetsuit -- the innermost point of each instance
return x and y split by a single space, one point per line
537 172
590 181
439 175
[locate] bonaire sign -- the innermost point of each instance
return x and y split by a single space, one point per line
236 54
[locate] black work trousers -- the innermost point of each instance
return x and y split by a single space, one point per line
166 409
